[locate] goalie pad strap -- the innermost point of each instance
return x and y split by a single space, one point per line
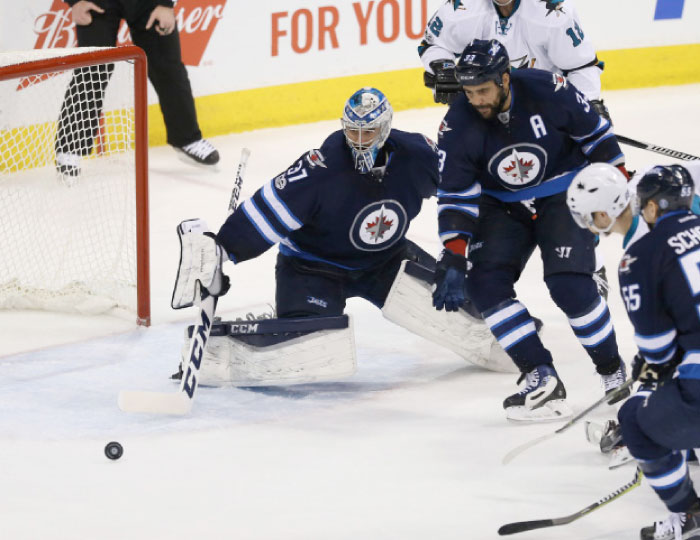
409 304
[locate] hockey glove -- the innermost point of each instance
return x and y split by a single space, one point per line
601 109
443 83
449 281
650 374
199 274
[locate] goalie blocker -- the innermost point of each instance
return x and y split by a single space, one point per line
315 349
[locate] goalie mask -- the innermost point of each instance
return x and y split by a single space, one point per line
599 187
366 124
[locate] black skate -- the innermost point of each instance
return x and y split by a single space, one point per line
613 381
200 151
683 525
543 398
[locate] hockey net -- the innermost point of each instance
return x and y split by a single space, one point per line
73 181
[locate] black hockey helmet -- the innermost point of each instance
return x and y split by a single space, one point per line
482 60
669 186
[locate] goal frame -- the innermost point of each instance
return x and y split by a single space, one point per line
138 57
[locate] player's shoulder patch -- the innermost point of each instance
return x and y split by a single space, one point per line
458 4
431 143
626 263
444 128
315 159
559 81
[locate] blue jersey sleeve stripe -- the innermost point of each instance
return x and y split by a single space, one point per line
470 193
471 209
588 148
280 209
445 234
656 342
619 159
261 224
602 126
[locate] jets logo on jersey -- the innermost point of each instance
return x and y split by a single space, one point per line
431 143
559 81
444 128
556 6
519 166
379 225
315 159
625 263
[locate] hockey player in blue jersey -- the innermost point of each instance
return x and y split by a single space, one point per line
509 148
660 283
340 215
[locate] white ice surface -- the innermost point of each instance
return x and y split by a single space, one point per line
409 448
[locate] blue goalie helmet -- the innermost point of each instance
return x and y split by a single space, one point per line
366 123
482 60
670 186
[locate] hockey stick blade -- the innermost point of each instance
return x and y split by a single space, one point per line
523 526
134 401
608 397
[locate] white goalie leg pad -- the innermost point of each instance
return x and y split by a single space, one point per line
200 264
323 355
409 304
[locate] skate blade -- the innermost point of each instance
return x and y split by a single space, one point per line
619 457
552 411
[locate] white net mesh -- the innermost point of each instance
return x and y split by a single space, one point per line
67 187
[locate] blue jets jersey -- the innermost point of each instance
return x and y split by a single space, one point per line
660 284
534 150
322 209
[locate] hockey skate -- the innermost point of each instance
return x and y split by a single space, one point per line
613 381
609 438
678 525
542 399
201 152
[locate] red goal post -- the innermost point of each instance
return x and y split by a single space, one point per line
98 210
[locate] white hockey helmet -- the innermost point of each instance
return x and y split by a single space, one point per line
366 123
599 187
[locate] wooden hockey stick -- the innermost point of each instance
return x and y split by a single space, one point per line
523 526
180 402
655 148
510 456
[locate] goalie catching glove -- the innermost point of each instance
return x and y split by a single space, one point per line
199 273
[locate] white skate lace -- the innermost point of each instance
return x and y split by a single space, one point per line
670 528
614 380
201 148
532 381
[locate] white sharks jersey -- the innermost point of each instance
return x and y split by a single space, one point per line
544 34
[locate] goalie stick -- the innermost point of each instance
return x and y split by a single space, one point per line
510 456
523 526
657 149
180 402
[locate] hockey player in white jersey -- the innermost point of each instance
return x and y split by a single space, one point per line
659 282
542 34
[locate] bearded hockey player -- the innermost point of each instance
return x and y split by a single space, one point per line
510 146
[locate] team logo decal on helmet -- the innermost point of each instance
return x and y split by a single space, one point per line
519 166
379 225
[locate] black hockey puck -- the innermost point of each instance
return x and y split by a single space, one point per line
114 450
